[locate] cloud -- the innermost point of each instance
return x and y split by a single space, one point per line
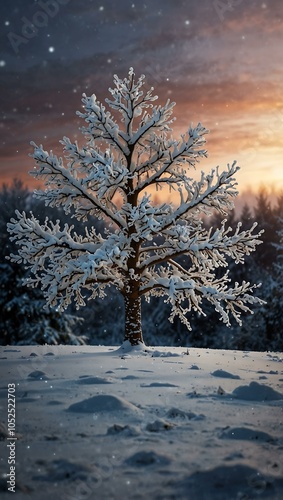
227 74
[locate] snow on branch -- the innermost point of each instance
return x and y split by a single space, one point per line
185 292
167 156
69 189
213 191
131 101
206 249
146 218
102 173
64 262
102 125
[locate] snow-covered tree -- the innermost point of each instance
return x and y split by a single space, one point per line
24 320
265 332
267 221
279 247
129 152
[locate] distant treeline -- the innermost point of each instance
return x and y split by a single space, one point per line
25 320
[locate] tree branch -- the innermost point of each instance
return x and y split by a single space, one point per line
45 160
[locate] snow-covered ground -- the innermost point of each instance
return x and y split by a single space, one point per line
170 423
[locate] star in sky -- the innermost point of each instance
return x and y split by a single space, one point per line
225 71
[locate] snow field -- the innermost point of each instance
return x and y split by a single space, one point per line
108 423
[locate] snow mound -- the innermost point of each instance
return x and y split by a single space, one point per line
127 348
246 434
159 384
159 426
38 375
183 415
224 374
256 392
85 380
164 354
236 481
123 430
145 458
64 470
103 403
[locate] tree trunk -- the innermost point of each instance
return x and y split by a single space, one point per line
133 327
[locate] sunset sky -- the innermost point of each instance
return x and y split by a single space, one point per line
222 66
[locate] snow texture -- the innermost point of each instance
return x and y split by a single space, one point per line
135 438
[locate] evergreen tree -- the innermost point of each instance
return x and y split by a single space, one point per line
126 154
266 220
246 216
12 197
264 331
23 319
273 311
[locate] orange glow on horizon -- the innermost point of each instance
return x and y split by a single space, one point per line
248 129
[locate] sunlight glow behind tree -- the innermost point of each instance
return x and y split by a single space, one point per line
148 249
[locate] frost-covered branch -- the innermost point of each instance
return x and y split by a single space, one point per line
213 191
171 154
102 126
63 262
186 294
70 190
131 101
205 249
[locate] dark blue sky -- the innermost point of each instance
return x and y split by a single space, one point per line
222 65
